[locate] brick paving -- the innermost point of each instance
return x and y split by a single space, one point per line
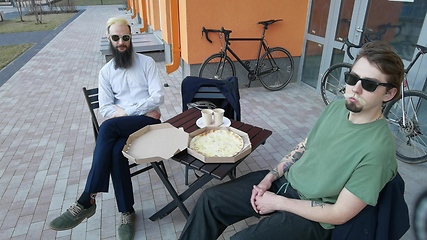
46 141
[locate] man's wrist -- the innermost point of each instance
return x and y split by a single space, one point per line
275 173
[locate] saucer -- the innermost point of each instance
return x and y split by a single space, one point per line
225 123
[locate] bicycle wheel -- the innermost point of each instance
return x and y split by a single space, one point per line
420 217
408 122
332 86
217 67
276 68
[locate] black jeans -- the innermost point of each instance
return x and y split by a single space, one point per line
108 159
228 203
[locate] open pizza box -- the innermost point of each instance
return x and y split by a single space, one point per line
155 143
160 142
246 149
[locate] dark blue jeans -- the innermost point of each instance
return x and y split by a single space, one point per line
109 160
228 203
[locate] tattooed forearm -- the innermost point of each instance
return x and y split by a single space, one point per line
293 156
275 173
288 160
317 204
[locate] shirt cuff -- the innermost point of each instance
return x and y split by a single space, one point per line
130 110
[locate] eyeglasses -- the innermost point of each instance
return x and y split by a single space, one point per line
116 38
367 84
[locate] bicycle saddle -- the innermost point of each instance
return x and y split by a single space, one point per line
422 49
268 22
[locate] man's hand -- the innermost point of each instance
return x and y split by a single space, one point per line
259 190
153 114
266 203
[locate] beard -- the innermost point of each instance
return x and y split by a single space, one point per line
122 59
352 107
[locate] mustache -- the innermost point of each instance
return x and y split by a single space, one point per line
355 96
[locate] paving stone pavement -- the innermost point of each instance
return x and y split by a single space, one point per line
46 141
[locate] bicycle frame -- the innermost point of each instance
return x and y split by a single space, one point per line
406 86
413 105
262 45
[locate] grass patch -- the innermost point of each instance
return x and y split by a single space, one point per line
50 22
9 53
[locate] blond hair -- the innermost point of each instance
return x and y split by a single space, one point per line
117 20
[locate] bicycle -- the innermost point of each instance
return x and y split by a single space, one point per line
407 115
274 68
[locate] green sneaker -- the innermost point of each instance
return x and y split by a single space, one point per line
72 217
127 226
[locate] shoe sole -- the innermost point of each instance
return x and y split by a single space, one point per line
63 229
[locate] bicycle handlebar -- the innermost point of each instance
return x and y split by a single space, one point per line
349 46
227 32
207 31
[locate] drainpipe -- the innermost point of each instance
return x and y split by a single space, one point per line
144 16
176 51
129 5
134 9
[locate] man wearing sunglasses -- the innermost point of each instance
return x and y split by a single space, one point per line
341 167
130 93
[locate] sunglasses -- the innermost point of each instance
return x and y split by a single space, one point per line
116 38
367 84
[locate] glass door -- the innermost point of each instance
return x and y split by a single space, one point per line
325 36
399 22
402 24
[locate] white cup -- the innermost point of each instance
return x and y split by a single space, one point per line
218 116
207 117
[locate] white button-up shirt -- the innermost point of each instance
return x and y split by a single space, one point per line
137 90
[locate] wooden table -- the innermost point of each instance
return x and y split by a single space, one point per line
187 120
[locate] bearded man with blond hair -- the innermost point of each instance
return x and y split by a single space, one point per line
130 93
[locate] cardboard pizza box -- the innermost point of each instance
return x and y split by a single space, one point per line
155 143
243 153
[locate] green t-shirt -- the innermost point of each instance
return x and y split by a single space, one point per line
359 157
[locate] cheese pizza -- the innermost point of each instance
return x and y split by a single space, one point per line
217 143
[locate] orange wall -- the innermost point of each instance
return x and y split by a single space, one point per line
240 16
154 14
165 21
